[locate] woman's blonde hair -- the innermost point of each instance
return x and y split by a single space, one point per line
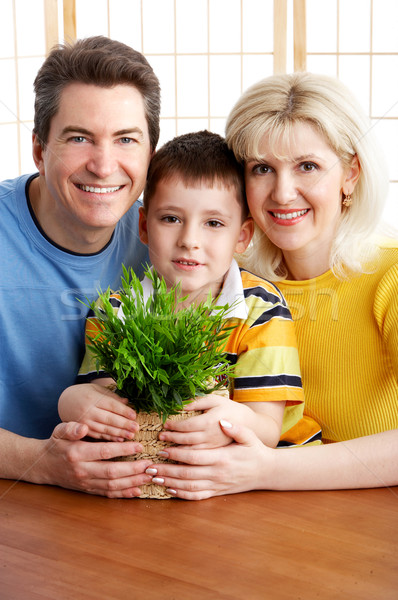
271 107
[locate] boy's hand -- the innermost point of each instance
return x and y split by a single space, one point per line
204 430
105 414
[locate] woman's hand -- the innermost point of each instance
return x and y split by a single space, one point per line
238 467
105 414
203 431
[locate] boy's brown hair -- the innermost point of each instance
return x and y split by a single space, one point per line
195 158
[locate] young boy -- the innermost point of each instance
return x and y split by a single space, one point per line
194 219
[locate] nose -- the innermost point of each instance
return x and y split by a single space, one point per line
189 237
285 190
102 161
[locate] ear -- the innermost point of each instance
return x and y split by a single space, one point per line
245 236
352 176
142 225
37 153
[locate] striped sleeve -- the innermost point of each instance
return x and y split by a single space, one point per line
263 347
88 370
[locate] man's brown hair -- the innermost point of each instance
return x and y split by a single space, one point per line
97 61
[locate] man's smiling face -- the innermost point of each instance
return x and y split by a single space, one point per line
96 158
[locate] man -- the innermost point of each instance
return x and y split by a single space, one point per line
64 234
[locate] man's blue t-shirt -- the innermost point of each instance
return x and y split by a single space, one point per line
41 319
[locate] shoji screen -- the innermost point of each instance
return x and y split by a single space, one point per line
205 52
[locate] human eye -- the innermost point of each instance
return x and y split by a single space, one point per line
170 219
78 139
308 167
127 140
261 169
214 223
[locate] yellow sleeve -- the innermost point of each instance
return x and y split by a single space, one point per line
386 313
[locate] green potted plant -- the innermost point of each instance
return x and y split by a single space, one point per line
160 355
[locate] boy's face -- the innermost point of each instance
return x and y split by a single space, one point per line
192 234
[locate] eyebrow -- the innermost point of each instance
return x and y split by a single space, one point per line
82 130
294 158
208 214
306 157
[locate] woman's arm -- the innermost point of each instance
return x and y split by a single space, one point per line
365 462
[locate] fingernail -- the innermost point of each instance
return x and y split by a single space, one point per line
172 492
159 480
163 453
225 424
151 471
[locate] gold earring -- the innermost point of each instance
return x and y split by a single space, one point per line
347 200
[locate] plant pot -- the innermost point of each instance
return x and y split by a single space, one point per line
150 427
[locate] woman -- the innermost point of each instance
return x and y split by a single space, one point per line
315 184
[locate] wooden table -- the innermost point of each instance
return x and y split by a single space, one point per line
59 544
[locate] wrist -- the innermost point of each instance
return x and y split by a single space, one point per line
269 469
22 457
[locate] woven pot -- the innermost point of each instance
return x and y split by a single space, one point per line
150 427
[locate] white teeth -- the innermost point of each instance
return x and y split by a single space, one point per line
292 215
97 190
185 262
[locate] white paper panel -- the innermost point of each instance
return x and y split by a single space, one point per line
258 25
191 26
91 18
224 23
125 22
158 26
192 86
6 30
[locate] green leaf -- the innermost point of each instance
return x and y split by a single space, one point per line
161 355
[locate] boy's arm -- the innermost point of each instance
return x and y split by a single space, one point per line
265 419
203 431
95 405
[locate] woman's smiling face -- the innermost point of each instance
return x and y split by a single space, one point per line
295 192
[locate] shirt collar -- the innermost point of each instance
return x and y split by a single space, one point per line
231 293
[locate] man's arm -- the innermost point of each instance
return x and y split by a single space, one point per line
67 461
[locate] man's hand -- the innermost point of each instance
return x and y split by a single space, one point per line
67 461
